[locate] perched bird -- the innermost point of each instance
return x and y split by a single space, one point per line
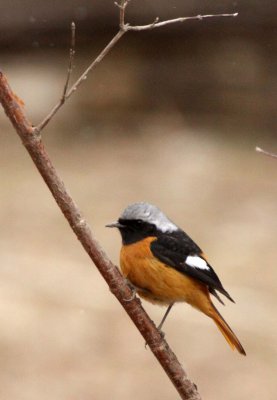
165 266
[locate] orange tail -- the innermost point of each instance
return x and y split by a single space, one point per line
227 332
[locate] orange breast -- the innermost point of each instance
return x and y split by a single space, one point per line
159 282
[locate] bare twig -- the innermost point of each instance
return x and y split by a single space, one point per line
259 150
157 24
123 28
117 284
122 7
71 59
80 80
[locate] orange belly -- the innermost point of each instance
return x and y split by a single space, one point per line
158 282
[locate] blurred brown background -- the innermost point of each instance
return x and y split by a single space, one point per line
171 116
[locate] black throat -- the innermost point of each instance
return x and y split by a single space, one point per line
134 230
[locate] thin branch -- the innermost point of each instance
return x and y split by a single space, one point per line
64 94
123 28
157 24
71 59
259 150
117 284
80 80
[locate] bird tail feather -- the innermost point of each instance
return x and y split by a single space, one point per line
227 332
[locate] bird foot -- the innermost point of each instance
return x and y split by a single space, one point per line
133 290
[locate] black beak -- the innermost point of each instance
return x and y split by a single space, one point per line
115 225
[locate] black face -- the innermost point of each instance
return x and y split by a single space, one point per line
134 230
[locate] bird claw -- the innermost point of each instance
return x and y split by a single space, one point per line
133 290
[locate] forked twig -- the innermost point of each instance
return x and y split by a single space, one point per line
122 7
123 28
267 153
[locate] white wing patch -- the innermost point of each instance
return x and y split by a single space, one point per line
197 262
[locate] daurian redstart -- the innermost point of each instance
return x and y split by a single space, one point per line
165 265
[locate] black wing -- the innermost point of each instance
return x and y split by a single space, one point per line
173 250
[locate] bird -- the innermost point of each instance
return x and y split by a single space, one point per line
164 265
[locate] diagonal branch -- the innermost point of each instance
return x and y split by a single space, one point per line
117 284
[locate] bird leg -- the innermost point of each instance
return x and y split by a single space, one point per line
162 322
164 317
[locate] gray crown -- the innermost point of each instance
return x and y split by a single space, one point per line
149 213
